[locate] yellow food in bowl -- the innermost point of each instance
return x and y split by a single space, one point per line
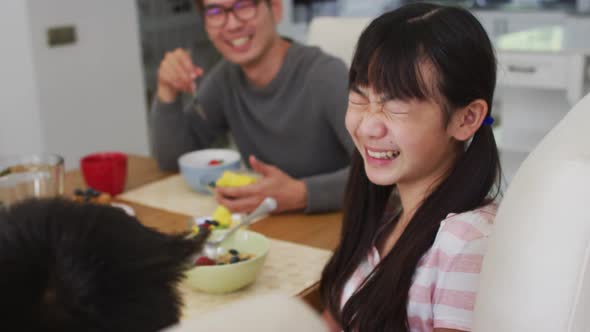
231 277
229 258
229 179
232 179
223 216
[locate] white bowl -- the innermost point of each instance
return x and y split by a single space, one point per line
198 174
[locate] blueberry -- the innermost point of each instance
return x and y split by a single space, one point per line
233 252
234 259
92 192
79 192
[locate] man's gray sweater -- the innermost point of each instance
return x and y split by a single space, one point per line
296 122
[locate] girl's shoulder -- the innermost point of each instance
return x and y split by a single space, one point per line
459 229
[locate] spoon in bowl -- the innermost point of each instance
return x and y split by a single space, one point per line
211 247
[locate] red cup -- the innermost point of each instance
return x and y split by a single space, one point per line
105 171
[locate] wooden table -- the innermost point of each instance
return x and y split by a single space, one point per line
319 230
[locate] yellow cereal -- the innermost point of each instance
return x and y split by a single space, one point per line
231 179
223 216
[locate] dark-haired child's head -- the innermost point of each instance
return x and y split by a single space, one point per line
421 84
72 267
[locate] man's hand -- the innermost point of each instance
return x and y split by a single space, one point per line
290 194
176 74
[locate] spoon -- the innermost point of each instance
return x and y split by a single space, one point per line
211 247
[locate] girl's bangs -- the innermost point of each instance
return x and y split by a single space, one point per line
390 61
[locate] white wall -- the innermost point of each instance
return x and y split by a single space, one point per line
91 93
19 116
73 99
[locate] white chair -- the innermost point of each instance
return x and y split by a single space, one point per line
536 273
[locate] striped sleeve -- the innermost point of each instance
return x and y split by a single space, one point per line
457 280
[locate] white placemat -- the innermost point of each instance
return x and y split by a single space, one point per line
172 194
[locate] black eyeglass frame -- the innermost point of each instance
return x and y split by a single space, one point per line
231 9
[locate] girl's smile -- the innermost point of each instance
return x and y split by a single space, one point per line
380 157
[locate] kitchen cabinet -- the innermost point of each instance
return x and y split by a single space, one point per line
542 73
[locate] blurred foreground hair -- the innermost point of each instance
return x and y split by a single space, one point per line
67 266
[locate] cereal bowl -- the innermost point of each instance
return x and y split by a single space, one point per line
231 277
200 168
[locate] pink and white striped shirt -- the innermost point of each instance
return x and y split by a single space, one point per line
445 283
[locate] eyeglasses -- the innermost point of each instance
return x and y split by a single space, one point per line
216 15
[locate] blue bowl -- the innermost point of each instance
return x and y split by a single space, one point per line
198 174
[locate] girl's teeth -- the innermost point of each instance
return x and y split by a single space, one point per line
383 155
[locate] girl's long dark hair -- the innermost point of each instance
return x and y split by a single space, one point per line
388 58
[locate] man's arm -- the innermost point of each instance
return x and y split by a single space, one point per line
175 131
325 191
170 136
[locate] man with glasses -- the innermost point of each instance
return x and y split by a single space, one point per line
283 102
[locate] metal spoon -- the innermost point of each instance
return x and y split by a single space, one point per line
211 247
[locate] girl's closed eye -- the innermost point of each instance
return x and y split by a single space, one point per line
396 107
357 99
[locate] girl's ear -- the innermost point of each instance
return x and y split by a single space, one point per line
467 120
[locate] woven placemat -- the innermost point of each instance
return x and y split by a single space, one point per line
289 268
172 194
